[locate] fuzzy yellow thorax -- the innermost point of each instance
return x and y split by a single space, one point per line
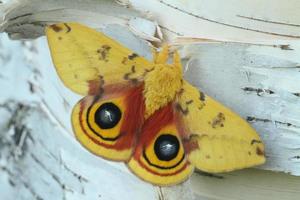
163 82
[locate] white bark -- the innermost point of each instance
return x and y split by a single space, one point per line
259 79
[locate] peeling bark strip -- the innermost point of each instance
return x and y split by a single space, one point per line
225 24
201 173
20 16
268 21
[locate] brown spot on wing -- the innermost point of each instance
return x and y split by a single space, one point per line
147 71
181 91
104 52
259 152
190 143
127 76
124 61
255 141
218 120
56 28
68 27
132 56
202 96
189 102
179 108
134 81
96 87
133 68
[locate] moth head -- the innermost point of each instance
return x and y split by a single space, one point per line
163 82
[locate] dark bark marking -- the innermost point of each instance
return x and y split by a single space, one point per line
254 119
258 91
297 94
285 47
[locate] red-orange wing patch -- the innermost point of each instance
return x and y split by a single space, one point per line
159 156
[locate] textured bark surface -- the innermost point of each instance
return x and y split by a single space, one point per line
258 78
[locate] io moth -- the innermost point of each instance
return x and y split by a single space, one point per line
144 113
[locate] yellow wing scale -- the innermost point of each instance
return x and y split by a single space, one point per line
225 141
81 54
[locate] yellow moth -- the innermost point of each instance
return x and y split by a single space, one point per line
144 113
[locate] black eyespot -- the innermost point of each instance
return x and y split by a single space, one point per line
107 115
166 147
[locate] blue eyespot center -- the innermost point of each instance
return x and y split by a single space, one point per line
166 147
108 115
